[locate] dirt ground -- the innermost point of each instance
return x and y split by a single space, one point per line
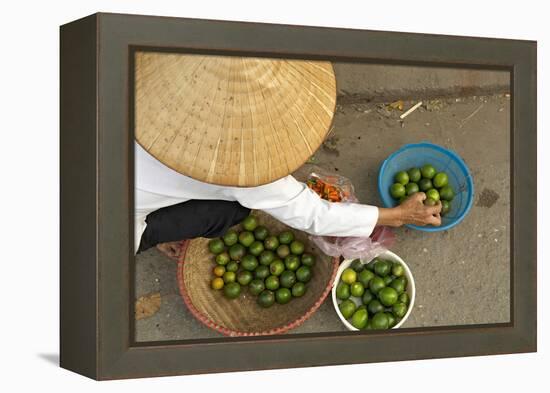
462 275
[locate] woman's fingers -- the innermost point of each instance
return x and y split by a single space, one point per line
419 196
435 209
435 220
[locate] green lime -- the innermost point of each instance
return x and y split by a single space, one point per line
277 267
404 298
367 297
382 267
357 289
399 284
388 296
292 262
364 277
286 237
249 262
271 243
428 171
287 279
440 180
401 177
246 238
414 175
244 277
432 194
392 321
232 266
343 291
261 272
445 207
380 321
347 308
425 184
369 326
370 265
256 248
283 295
349 276
217 283
231 237
357 265
430 201
266 257
250 223
399 309
229 277
283 251
237 251
303 274
256 286
232 290
375 306
223 258
402 199
397 190
297 247
261 233
411 188
387 280
447 193
397 269
216 246
299 289
376 284
272 283
308 260
359 318
266 299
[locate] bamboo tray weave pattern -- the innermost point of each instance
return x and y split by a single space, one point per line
243 316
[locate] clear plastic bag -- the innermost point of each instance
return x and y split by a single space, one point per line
339 189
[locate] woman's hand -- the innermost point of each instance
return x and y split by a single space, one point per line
171 249
411 211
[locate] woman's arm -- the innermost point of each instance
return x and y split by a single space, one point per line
296 205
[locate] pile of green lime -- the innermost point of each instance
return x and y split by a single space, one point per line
426 179
373 295
274 268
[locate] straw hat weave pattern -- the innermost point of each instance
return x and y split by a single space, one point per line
235 121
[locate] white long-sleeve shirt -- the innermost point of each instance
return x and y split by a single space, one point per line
286 199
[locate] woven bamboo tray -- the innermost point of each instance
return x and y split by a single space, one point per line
243 316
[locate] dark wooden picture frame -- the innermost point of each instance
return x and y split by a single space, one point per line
97 332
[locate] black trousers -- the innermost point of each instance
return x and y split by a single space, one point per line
191 219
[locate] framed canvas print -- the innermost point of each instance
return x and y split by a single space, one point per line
243 196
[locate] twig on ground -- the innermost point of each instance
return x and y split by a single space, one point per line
415 107
465 120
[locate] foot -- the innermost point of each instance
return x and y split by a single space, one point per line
171 249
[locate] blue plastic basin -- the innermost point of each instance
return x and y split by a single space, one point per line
419 154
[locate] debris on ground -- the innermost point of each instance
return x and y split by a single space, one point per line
396 105
411 110
433 105
147 306
329 145
382 109
487 198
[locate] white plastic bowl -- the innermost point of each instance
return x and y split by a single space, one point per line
390 256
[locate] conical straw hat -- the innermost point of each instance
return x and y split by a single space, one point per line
237 121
